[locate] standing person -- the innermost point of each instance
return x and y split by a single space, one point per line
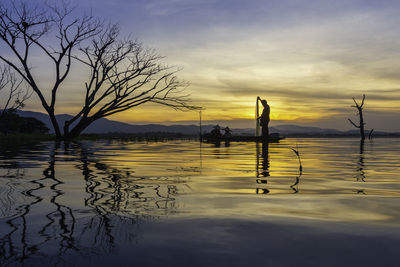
216 131
228 132
264 118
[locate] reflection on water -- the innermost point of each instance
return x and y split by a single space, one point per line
40 213
263 168
82 200
360 168
360 175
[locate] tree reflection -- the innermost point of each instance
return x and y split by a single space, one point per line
360 164
51 220
12 152
360 173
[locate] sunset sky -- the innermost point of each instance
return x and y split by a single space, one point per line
308 58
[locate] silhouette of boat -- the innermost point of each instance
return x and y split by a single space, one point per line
240 138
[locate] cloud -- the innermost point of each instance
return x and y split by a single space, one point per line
308 57
305 93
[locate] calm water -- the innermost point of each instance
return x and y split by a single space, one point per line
179 203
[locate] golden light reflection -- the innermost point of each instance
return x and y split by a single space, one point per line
234 180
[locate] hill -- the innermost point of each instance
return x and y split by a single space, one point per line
104 126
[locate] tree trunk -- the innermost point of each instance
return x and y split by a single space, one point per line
66 129
361 124
78 129
55 124
362 131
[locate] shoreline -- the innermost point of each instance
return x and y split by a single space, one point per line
160 137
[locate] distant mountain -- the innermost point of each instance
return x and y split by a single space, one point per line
104 126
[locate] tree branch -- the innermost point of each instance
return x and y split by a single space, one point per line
123 73
355 125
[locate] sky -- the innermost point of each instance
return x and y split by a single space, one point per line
307 58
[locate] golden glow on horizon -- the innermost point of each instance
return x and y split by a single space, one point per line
288 105
163 114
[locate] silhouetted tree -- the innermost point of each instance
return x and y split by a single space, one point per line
361 124
122 72
13 96
11 122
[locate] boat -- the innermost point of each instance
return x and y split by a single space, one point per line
215 135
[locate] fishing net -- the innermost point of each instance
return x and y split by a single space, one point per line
258 128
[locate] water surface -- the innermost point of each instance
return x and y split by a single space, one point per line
180 203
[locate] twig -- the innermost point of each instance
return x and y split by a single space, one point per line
370 134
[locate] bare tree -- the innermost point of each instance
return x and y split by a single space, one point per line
11 87
361 124
123 74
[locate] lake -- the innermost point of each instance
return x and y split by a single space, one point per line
182 203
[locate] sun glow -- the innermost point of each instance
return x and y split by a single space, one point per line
306 73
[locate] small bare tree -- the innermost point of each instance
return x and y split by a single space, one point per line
123 74
11 88
361 124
